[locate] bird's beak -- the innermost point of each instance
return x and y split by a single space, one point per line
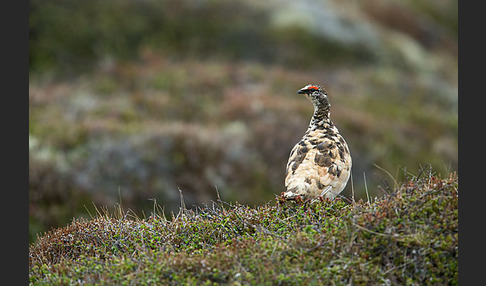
300 91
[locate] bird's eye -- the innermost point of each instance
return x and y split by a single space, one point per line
313 88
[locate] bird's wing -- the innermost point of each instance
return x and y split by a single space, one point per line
316 164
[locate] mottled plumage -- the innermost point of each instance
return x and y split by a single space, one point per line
320 164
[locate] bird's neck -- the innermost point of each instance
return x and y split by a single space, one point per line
321 117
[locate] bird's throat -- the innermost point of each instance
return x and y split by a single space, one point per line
320 119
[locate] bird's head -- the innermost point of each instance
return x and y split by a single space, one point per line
316 94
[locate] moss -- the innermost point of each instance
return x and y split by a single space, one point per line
407 237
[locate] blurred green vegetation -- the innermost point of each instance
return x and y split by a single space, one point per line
73 35
132 100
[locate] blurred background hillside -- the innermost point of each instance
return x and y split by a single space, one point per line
132 100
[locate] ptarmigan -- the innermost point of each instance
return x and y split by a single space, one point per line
320 164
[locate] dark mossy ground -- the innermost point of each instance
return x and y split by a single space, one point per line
407 236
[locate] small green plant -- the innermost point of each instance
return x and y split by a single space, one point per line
409 236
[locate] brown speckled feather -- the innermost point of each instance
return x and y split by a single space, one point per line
320 164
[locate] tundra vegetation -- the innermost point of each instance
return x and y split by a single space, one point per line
132 103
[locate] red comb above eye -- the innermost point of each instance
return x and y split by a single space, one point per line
313 87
